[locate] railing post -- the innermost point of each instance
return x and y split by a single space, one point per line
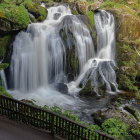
52 125
0 105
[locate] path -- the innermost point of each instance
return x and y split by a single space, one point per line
12 130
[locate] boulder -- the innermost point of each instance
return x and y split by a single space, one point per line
100 116
61 87
13 18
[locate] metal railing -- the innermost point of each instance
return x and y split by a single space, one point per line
50 121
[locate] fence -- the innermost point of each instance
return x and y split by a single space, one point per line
50 121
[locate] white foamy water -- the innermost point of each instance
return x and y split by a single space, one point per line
3 78
39 57
100 70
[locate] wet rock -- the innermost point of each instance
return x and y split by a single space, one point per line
98 117
133 111
72 67
94 6
61 87
39 12
87 90
102 115
82 7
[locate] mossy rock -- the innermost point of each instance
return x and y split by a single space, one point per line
127 60
128 46
102 115
133 111
82 7
116 128
13 18
3 66
38 11
136 132
5 41
87 90
90 15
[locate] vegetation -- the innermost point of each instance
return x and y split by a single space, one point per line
3 66
4 43
16 14
128 20
4 92
127 62
38 11
116 128
90 15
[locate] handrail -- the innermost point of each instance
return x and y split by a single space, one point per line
50 121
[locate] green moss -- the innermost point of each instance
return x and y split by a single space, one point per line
4 43
135 131
74 12
93 134
127 63
38 11
116 128
16 14
4 92
90 15
3 66
121 5
133 111
87 90
110 5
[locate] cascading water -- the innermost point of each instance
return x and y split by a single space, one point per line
39 58
100 69
3 82
43 57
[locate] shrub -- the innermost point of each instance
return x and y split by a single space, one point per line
4 92
116 128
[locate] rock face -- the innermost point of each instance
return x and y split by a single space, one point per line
128 48
61 87
128 42
102 115
39 12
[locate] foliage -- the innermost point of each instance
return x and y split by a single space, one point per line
93 128
3 66
135 131
116 128
16 14
4 43
90 15
4 92
110 4
65 113
38 11
127 63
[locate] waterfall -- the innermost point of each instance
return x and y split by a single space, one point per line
39 58
3 78
100 70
